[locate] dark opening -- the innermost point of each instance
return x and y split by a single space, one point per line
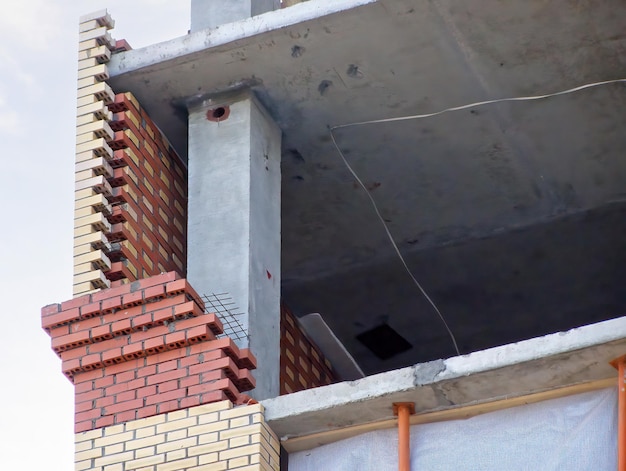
384 342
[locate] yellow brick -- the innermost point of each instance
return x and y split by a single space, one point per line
114 429
111 459
98 146
100 72
95 277
175 445
147 422
144 442
97 221
86 101
82 446
207 428
114 467
176 455
177 415
86 118
257 418
208 458
213 407
211 467
114 438
208 438
143 462
241 451
98 165
96 201
240 441
239 422
143 452
112 449
238 462
88 44
88 454
176 424
238 432
179 465
84 268
145 432
82 212
207 448
86 137
82 465
100 127
98 109
176 435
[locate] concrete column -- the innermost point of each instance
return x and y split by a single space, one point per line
234 220
211 13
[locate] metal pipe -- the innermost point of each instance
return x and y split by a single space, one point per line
620 364
621 417
404 410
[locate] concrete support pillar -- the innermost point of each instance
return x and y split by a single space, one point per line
211 13
234 220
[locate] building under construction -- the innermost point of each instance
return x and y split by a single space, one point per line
351 235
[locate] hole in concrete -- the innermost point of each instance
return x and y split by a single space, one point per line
220 113
384 341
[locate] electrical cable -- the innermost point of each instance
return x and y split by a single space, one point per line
429 115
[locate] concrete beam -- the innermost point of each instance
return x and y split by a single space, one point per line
212 13
559 360
234 220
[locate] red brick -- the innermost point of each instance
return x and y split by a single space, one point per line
214 396
168 406
168 396
102 382
189 381
91 359
246 381
104 421
126 396
125 366
154 292
76 302
125 416
147 391
222 363
59 331
90 310
247 359
125 376
102 332
112 304
210 382
110 293
148 411
60 318
192 401
176 339
116 342
166 356
146 371
50 309
83 426
163 377
167 386
132 299
88 376
104 401
110 356
125 406
73 353
167 366
87 415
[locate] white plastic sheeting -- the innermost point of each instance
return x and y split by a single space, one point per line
575 433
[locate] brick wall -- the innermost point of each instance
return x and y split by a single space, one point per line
302 364
143 349
131 186
205 438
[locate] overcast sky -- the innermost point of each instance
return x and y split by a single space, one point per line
38 49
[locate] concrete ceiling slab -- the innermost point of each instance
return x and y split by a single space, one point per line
464 179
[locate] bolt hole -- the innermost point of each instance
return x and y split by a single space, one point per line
219 112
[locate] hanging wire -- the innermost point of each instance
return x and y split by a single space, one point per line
429 115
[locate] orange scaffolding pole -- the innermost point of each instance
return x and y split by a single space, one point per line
404 410
620 364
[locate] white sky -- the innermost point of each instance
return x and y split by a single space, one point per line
38 48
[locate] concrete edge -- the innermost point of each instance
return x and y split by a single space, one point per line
559 360
136 59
